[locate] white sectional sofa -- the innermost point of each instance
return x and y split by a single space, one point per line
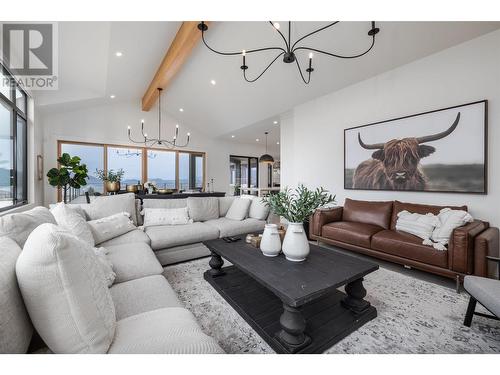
142 310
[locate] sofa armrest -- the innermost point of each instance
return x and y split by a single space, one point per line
461 247
486 251
324 216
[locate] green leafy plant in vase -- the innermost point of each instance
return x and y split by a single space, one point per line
71 173
297 206
111 179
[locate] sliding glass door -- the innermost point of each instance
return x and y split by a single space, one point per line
244 172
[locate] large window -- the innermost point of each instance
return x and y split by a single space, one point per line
172 169
13 143
244 172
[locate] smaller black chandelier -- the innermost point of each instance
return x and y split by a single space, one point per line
289 52
149 142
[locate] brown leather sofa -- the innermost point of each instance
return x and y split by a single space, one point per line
370 228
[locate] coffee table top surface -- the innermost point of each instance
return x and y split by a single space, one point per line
294 283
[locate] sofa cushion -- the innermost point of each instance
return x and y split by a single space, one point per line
140 295
417 208
224 204
358 234
164 203
486 291
239 209
176 235
181 253
15 326
65 293
203 208
172 330
258 209
107 228
71 219
408 246
132 261
18 226
229 227
375 213
108 205
105 264
134 236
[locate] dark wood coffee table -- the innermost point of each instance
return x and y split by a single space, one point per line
294 307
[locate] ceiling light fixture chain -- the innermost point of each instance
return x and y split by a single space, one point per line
149 142
289 53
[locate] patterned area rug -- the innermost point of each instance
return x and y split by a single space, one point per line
414 316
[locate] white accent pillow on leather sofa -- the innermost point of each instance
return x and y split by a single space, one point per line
65 293
70 219
239 209
110 227
165 216
450 220
417 224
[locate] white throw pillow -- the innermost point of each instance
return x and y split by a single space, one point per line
106 265
224 204
18 226
203 208
165 216
110 227
70 219
417 224
450 220
239 209
258 209
65 292
105 206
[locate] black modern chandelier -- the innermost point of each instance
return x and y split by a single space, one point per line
149 142
289 51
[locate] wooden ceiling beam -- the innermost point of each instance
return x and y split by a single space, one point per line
185 40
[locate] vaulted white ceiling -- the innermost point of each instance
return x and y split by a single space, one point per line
89 71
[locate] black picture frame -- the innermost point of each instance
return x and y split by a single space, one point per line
484 191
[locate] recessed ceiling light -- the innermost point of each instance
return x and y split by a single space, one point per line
213 82
112 96
118 54
275 122
257 140
181 109
232 136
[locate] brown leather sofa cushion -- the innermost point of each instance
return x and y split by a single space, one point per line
354 233
375 213
417 208
408 246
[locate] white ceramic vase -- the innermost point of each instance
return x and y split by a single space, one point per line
295 244
270 245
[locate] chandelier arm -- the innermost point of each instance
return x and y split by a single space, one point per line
239 52
279 32
314 32
336 55
302 74
260 75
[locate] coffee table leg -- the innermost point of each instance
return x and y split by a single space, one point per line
215 264
355 293
293 325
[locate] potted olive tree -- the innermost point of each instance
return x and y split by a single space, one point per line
296 206
111 179
69 174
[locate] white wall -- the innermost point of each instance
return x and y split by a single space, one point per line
312 134
108 124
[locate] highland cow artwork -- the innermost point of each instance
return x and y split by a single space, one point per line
437 151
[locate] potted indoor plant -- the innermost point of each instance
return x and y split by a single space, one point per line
111 179
69 174
296 206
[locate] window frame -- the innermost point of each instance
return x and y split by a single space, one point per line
144 159
15 112
249 172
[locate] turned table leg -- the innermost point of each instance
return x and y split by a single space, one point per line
293 325
355 293
215 264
